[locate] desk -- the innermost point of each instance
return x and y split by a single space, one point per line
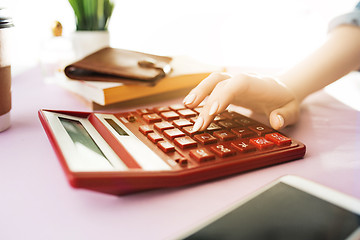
37 202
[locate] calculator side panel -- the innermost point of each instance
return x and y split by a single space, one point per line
135 181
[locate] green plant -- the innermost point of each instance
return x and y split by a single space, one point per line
92 14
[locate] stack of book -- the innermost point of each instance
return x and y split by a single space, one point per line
186 74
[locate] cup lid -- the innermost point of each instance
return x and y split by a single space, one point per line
5 20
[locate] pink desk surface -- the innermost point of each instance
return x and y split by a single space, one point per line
36 201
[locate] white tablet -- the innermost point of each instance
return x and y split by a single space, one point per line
289 208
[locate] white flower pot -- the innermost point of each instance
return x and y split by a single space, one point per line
86 42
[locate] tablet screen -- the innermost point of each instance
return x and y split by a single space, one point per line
283 212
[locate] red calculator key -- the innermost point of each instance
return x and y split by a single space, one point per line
243 121
176 107
152 118
213 127
161 109
278 139
205 138
223 150
224 135
187 113
165 146
143 111
182 123
171 115
145 129
219 117
243 132
231 115
154 137
261 143
228 124
201 155
260 129
162 126
243 146
189 131
185 142
173 133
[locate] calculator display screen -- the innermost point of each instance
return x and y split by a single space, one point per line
82 140
283 212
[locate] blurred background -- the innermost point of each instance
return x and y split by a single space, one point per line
249 33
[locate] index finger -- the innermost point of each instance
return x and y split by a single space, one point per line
204 88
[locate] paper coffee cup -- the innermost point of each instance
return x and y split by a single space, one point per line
5 69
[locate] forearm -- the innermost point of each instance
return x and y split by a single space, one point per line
338 56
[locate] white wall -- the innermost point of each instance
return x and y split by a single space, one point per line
251 33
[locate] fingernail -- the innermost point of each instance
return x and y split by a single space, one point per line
280 120
198 124
189 99
214 108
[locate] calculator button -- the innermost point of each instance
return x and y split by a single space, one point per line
201 155
228 124
231 115
182 123
144 111
223 150
165 146
261 143
185 142
176 107
154 137
189 131
161 109
278 139
213 127
260 130
187 113
173 133
243 132
243 121
152 118
219 118
161 126
171 115
145 129
243 146
205 138
224 135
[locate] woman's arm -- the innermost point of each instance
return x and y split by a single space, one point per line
280 97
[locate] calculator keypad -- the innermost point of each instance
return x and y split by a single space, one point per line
231 136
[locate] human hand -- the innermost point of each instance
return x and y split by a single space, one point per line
260 94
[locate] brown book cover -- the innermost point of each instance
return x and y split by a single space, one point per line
119 65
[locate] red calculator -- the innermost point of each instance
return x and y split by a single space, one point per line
126 152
